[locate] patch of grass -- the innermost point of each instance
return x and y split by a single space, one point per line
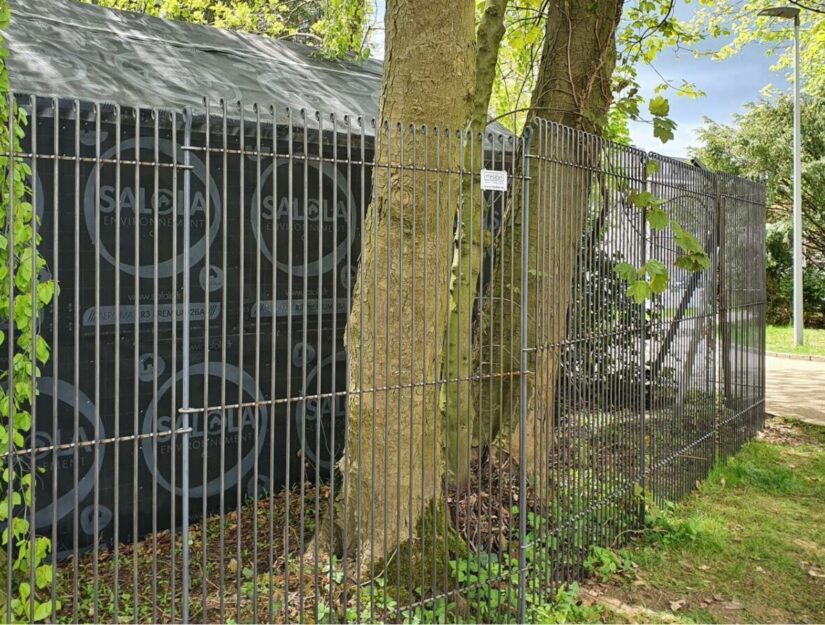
748 546
780 339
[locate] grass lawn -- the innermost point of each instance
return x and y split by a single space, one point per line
748 546
780 339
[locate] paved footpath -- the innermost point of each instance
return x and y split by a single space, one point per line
796 388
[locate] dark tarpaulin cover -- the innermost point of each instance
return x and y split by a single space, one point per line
65 49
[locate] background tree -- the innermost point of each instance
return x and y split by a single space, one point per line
759 143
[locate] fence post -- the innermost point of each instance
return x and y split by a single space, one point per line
720 314
643 363
187 141
527 140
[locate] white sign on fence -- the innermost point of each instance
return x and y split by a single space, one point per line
493 180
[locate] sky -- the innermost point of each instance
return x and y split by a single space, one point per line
728 86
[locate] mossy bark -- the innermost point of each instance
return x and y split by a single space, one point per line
421 565
393 465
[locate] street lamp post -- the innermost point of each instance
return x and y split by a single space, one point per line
798 322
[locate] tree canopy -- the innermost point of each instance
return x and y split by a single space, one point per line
738 23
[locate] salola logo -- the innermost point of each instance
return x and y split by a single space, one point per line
321 420
312 206
64 450
218 433
149 202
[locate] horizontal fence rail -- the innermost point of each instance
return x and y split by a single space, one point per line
317 368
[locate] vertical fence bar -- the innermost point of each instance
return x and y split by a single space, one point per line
718 283
55 272
523 355
643 362
10 102
185 400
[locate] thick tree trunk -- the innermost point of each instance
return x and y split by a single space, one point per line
472 242
393 466
573 88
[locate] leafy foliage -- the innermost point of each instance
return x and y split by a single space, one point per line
759 142
604 563
337 27
22 296
648 27
652 278
739 22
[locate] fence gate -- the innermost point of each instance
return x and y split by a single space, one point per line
257 400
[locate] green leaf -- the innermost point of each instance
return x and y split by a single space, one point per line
657 218
43 576
42 611
659 106
639 291
25 590
658 283
626 271
643 199
652 168
655 267
664 129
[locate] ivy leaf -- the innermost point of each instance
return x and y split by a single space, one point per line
41 349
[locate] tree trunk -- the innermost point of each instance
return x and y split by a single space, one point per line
573 87
472 242
393 467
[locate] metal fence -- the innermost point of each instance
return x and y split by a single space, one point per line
306 368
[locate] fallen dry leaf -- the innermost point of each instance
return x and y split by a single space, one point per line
731 605
704 567
759 569
814 573
675 606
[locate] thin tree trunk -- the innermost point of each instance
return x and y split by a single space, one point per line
573 88
472 242
393 467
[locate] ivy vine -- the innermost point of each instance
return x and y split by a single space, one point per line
24 566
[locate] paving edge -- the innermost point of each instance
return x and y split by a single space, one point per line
796 356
